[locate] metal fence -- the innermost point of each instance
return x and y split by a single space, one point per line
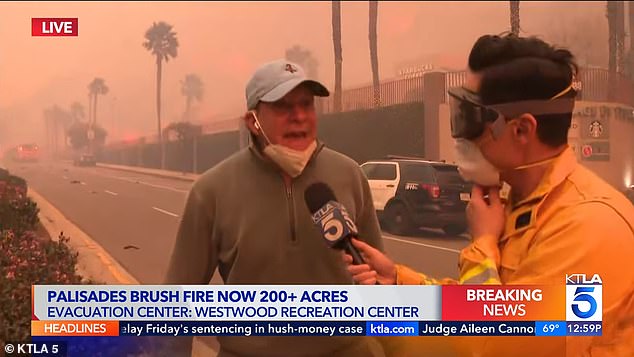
595 87
392 92
593 84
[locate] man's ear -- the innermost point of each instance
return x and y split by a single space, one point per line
525 128
250 122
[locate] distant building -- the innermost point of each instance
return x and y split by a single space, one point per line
431 62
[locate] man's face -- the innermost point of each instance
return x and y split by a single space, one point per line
291 121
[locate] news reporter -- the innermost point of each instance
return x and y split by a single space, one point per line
510 122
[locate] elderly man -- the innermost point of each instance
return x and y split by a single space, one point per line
247 215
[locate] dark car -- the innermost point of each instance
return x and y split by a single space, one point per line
410 193
85 160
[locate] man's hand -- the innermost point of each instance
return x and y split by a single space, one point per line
378 266
486 219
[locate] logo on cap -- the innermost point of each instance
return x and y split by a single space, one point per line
290 68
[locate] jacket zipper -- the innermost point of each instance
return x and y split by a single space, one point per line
291 209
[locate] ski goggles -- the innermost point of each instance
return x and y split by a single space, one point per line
469 116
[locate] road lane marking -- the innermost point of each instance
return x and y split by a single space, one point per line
136 181
112 193
150 184
422 244
162 187
165 212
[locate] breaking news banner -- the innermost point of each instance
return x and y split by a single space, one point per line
326 310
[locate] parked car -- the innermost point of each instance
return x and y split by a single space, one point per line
26 153
410 193
85 160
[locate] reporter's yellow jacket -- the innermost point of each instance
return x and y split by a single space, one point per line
574 222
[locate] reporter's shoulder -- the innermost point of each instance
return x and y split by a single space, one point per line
589 187
600 214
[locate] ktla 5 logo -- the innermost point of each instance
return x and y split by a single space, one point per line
584 297
334 221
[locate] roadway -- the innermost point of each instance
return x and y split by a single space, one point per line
135 217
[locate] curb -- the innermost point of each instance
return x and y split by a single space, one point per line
188 177
92 258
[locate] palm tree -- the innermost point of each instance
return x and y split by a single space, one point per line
95 88
374 56
161 41
77 111
515 17
57 120
65 118
50 130
187 134
336 40
303 57
192 88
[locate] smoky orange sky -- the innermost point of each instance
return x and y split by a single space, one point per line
223 42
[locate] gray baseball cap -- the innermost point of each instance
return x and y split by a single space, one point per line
274 80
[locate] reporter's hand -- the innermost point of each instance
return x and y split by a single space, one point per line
486 219
378 266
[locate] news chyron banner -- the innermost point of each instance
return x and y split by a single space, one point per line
573 309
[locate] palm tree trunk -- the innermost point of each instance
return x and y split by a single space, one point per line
188 106
620 36
374 56
515 17
94 108
631 21
94 123
159 63
55 135
612 45
336 39
629 59
89 108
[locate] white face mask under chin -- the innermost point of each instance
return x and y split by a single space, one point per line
473 166
293 162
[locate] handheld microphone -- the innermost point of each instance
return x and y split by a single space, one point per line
332 219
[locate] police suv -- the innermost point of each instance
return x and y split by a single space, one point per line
410 193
